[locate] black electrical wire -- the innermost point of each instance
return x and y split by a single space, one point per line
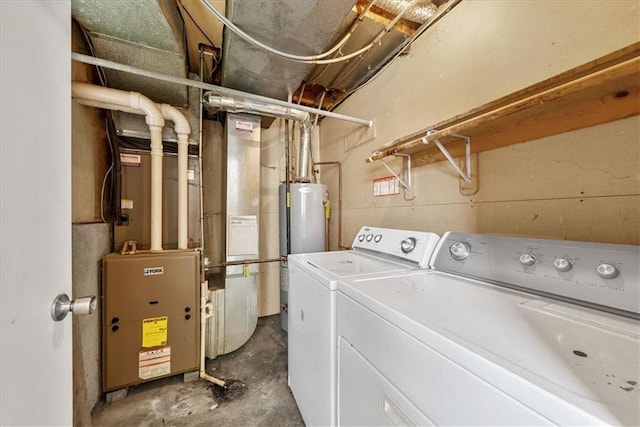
116 180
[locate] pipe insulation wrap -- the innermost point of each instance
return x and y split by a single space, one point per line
305 146
234 105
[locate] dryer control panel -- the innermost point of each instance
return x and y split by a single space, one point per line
415 247
604 276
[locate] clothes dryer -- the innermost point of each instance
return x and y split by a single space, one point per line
501 331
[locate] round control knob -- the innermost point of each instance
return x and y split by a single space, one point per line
361 237
527 260
562 264
408 244
460 251
607 271
369 237
377 238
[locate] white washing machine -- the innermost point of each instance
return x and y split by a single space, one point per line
312 300
502 331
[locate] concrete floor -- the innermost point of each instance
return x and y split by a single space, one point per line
267 401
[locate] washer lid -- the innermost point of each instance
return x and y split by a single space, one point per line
328 267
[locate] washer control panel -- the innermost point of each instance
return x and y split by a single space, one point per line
415 247
606 276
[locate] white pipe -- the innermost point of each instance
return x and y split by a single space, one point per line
182 129
218 90
107 106
126 101
234 105
206 310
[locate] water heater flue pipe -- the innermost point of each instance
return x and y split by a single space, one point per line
303 155
235 105
113 99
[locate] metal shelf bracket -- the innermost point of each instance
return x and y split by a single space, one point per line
466 174
407 184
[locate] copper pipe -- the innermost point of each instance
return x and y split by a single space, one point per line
248 261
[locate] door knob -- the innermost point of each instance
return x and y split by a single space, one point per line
62 306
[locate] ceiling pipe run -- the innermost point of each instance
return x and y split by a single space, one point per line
234 105
218 90
127 101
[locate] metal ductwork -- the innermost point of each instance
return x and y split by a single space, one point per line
420 12
304 152
303 27
234 105
143 34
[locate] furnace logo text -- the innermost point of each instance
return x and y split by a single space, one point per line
152 271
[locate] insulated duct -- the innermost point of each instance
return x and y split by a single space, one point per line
303 153
420 12
233 105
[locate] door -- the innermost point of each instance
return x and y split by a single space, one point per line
35 216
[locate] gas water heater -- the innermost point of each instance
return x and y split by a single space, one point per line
307 222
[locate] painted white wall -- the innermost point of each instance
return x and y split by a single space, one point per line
582 185
35 222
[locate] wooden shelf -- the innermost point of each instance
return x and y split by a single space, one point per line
599 91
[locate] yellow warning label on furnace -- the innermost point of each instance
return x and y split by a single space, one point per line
154 331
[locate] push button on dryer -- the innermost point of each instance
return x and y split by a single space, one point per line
607 271
527 260
460 251
562 264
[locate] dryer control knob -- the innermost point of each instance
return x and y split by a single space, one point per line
562 264
460 251
527 260
408 244
607 271
369 237
361 237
